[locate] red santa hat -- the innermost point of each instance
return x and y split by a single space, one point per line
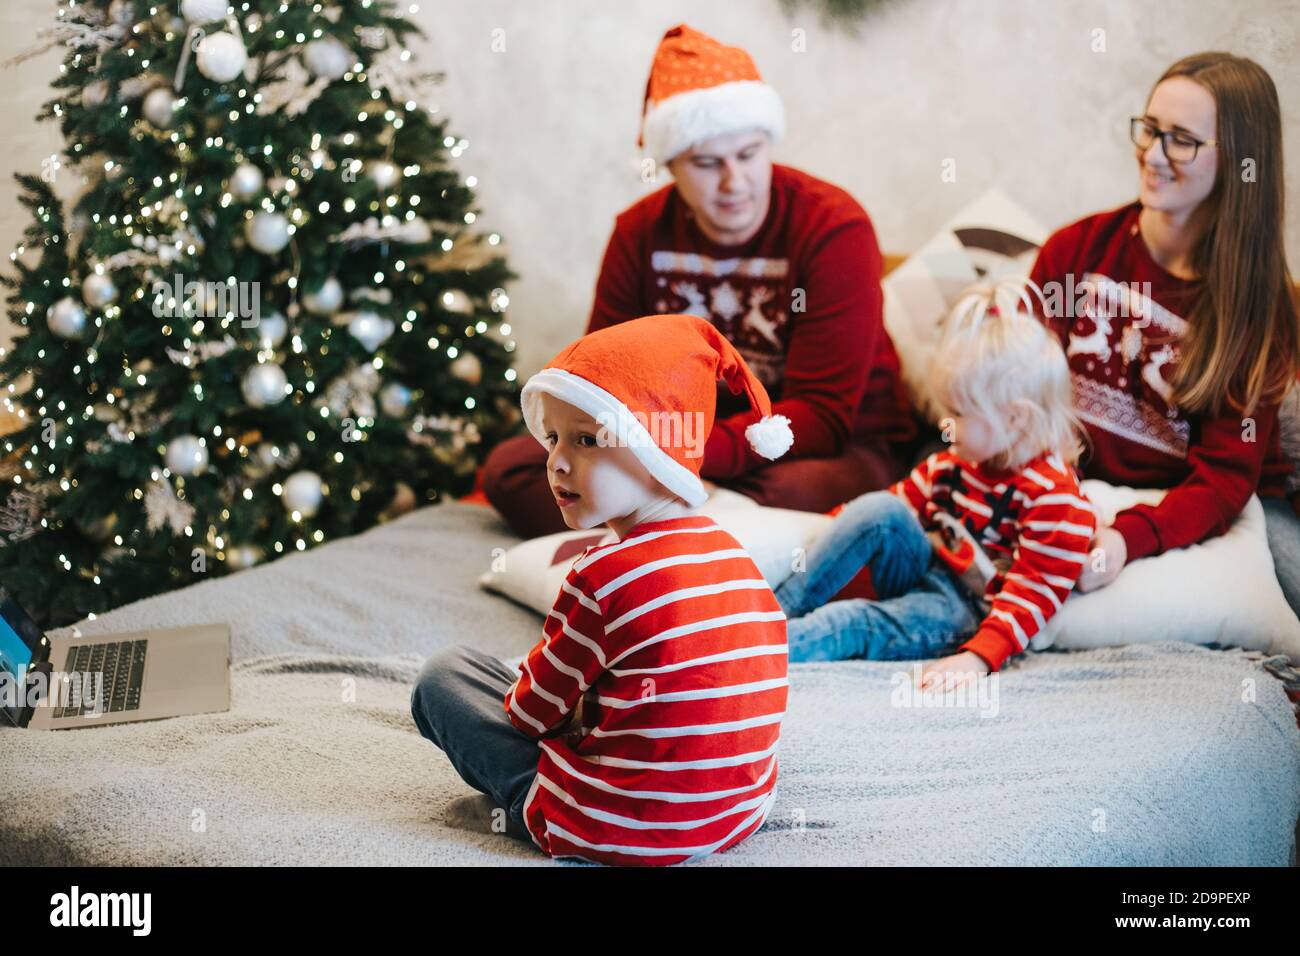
700 88
660 370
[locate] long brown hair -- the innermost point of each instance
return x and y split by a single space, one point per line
1242 345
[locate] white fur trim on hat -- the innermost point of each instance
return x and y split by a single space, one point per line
609 411
678 122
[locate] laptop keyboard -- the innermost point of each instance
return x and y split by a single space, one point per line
121 663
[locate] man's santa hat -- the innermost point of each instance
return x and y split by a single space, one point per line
659 370
699 88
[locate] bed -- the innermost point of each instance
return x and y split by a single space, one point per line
1159 754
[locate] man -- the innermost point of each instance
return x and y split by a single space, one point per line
785 265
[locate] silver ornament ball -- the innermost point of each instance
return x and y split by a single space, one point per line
221 57
325 300
187 455
246 181
159 107
271 330
66 318
97 290
203 11
302 493
263 385
267 232
327 58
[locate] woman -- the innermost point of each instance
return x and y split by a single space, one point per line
1186 340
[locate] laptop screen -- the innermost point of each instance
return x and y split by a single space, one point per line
20 645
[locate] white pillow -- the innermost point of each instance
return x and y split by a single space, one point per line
531 572
991 238
1223 591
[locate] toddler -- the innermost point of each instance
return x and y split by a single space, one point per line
971 554
643 727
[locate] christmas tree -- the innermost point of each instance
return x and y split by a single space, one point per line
265 322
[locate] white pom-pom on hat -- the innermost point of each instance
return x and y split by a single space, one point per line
771 436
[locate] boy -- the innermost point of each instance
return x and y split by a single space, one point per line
643 727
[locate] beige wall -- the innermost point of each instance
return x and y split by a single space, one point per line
1009 89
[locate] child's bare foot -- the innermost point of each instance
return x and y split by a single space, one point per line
477 812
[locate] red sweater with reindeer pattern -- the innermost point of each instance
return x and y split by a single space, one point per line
801 301
1120 317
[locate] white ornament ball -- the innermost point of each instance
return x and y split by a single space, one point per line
467 368
94 93
327 58
221 57
98 290
384 173
203 11
267 232
395 399
370 329
159 107
302 493
242 556
187 455
246 181
66 318
271 330
264 385
325 300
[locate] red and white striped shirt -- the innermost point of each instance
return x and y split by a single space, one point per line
676 646
1035 524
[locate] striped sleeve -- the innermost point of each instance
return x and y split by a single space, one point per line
1055 531
917 487
563 664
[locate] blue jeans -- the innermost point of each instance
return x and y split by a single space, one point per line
1284 541
921 610
459 703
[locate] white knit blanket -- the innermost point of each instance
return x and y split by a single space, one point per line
1163 754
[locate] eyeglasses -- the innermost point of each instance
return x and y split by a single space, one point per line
1179 147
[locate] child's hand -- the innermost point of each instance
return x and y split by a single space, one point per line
1107 555
709 486
950 672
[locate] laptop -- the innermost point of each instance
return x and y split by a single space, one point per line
74 681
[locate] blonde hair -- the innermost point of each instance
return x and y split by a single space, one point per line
994 353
